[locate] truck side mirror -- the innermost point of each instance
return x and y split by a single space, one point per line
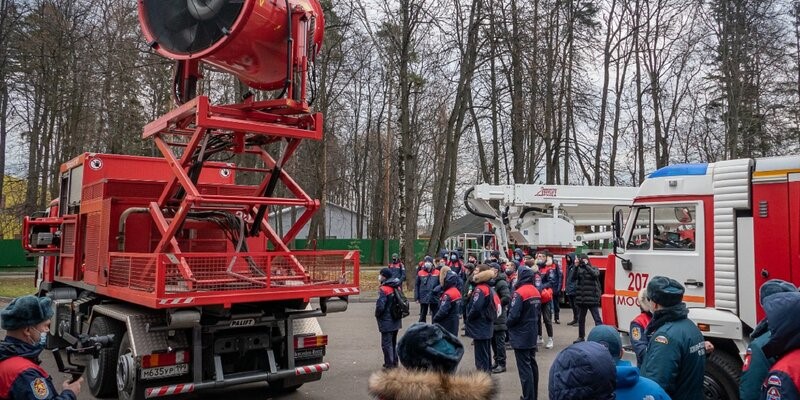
616 227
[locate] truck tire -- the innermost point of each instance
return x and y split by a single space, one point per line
128 385
721 381
101 373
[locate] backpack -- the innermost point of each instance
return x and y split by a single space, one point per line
399 308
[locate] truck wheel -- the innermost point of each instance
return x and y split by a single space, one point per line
128 385
101 371
721 381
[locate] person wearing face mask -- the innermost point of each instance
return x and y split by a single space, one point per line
27 322
398 268
424 290
456 265
542 281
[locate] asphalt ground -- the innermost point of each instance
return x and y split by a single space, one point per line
354 353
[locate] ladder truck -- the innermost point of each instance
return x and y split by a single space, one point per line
174 256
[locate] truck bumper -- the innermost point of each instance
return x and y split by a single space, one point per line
299 372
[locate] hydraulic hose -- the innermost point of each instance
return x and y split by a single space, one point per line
472 210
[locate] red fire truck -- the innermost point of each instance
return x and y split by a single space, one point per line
721 229
174 255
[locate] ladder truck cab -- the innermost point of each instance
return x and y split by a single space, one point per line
721 229
174 257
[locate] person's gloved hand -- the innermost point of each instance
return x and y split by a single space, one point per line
75 387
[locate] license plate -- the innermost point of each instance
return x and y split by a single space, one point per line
310 353
164 372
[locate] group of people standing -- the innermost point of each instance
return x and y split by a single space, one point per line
503 303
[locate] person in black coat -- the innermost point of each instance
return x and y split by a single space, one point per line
571 285
387 325
523 313
450 301
587 294
480 325
500 286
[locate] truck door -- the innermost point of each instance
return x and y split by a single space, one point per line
661 239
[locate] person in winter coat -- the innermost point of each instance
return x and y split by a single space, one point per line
639 325
630 386
583 371
479 322
519 255
523 313
398 268
676 353
387 325
429 356
500 286
756 364
27 321
450 301
555 282
587 294
571 285
783 380
456 264
543 280
427 281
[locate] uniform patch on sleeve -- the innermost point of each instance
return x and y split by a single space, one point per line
661 339
774 380
40 389
636 333
475 296
773 394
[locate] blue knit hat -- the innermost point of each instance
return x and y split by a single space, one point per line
774 286
429 347
26 311
607 336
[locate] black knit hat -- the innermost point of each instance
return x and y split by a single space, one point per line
26 311
429 347
665 291
386 273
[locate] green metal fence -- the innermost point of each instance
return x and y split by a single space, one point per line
12 254
371 249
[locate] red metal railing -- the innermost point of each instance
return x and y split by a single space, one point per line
260 276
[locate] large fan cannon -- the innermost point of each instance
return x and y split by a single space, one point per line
266 43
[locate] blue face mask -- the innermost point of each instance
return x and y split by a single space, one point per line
42 339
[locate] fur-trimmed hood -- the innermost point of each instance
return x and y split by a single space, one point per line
404 384
483 276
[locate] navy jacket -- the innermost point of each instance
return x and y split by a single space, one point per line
382 307
398 270
425 286
639 339
783 380
756 365
676 353
478 325
449 304
21 377
571 284
523 313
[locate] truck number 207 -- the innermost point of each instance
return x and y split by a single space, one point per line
637 282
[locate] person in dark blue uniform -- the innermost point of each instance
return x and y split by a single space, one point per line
479 323
783 380
398 268
450 301
427 281
756 365
523 313
387 325
27 322
583 371
676 354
